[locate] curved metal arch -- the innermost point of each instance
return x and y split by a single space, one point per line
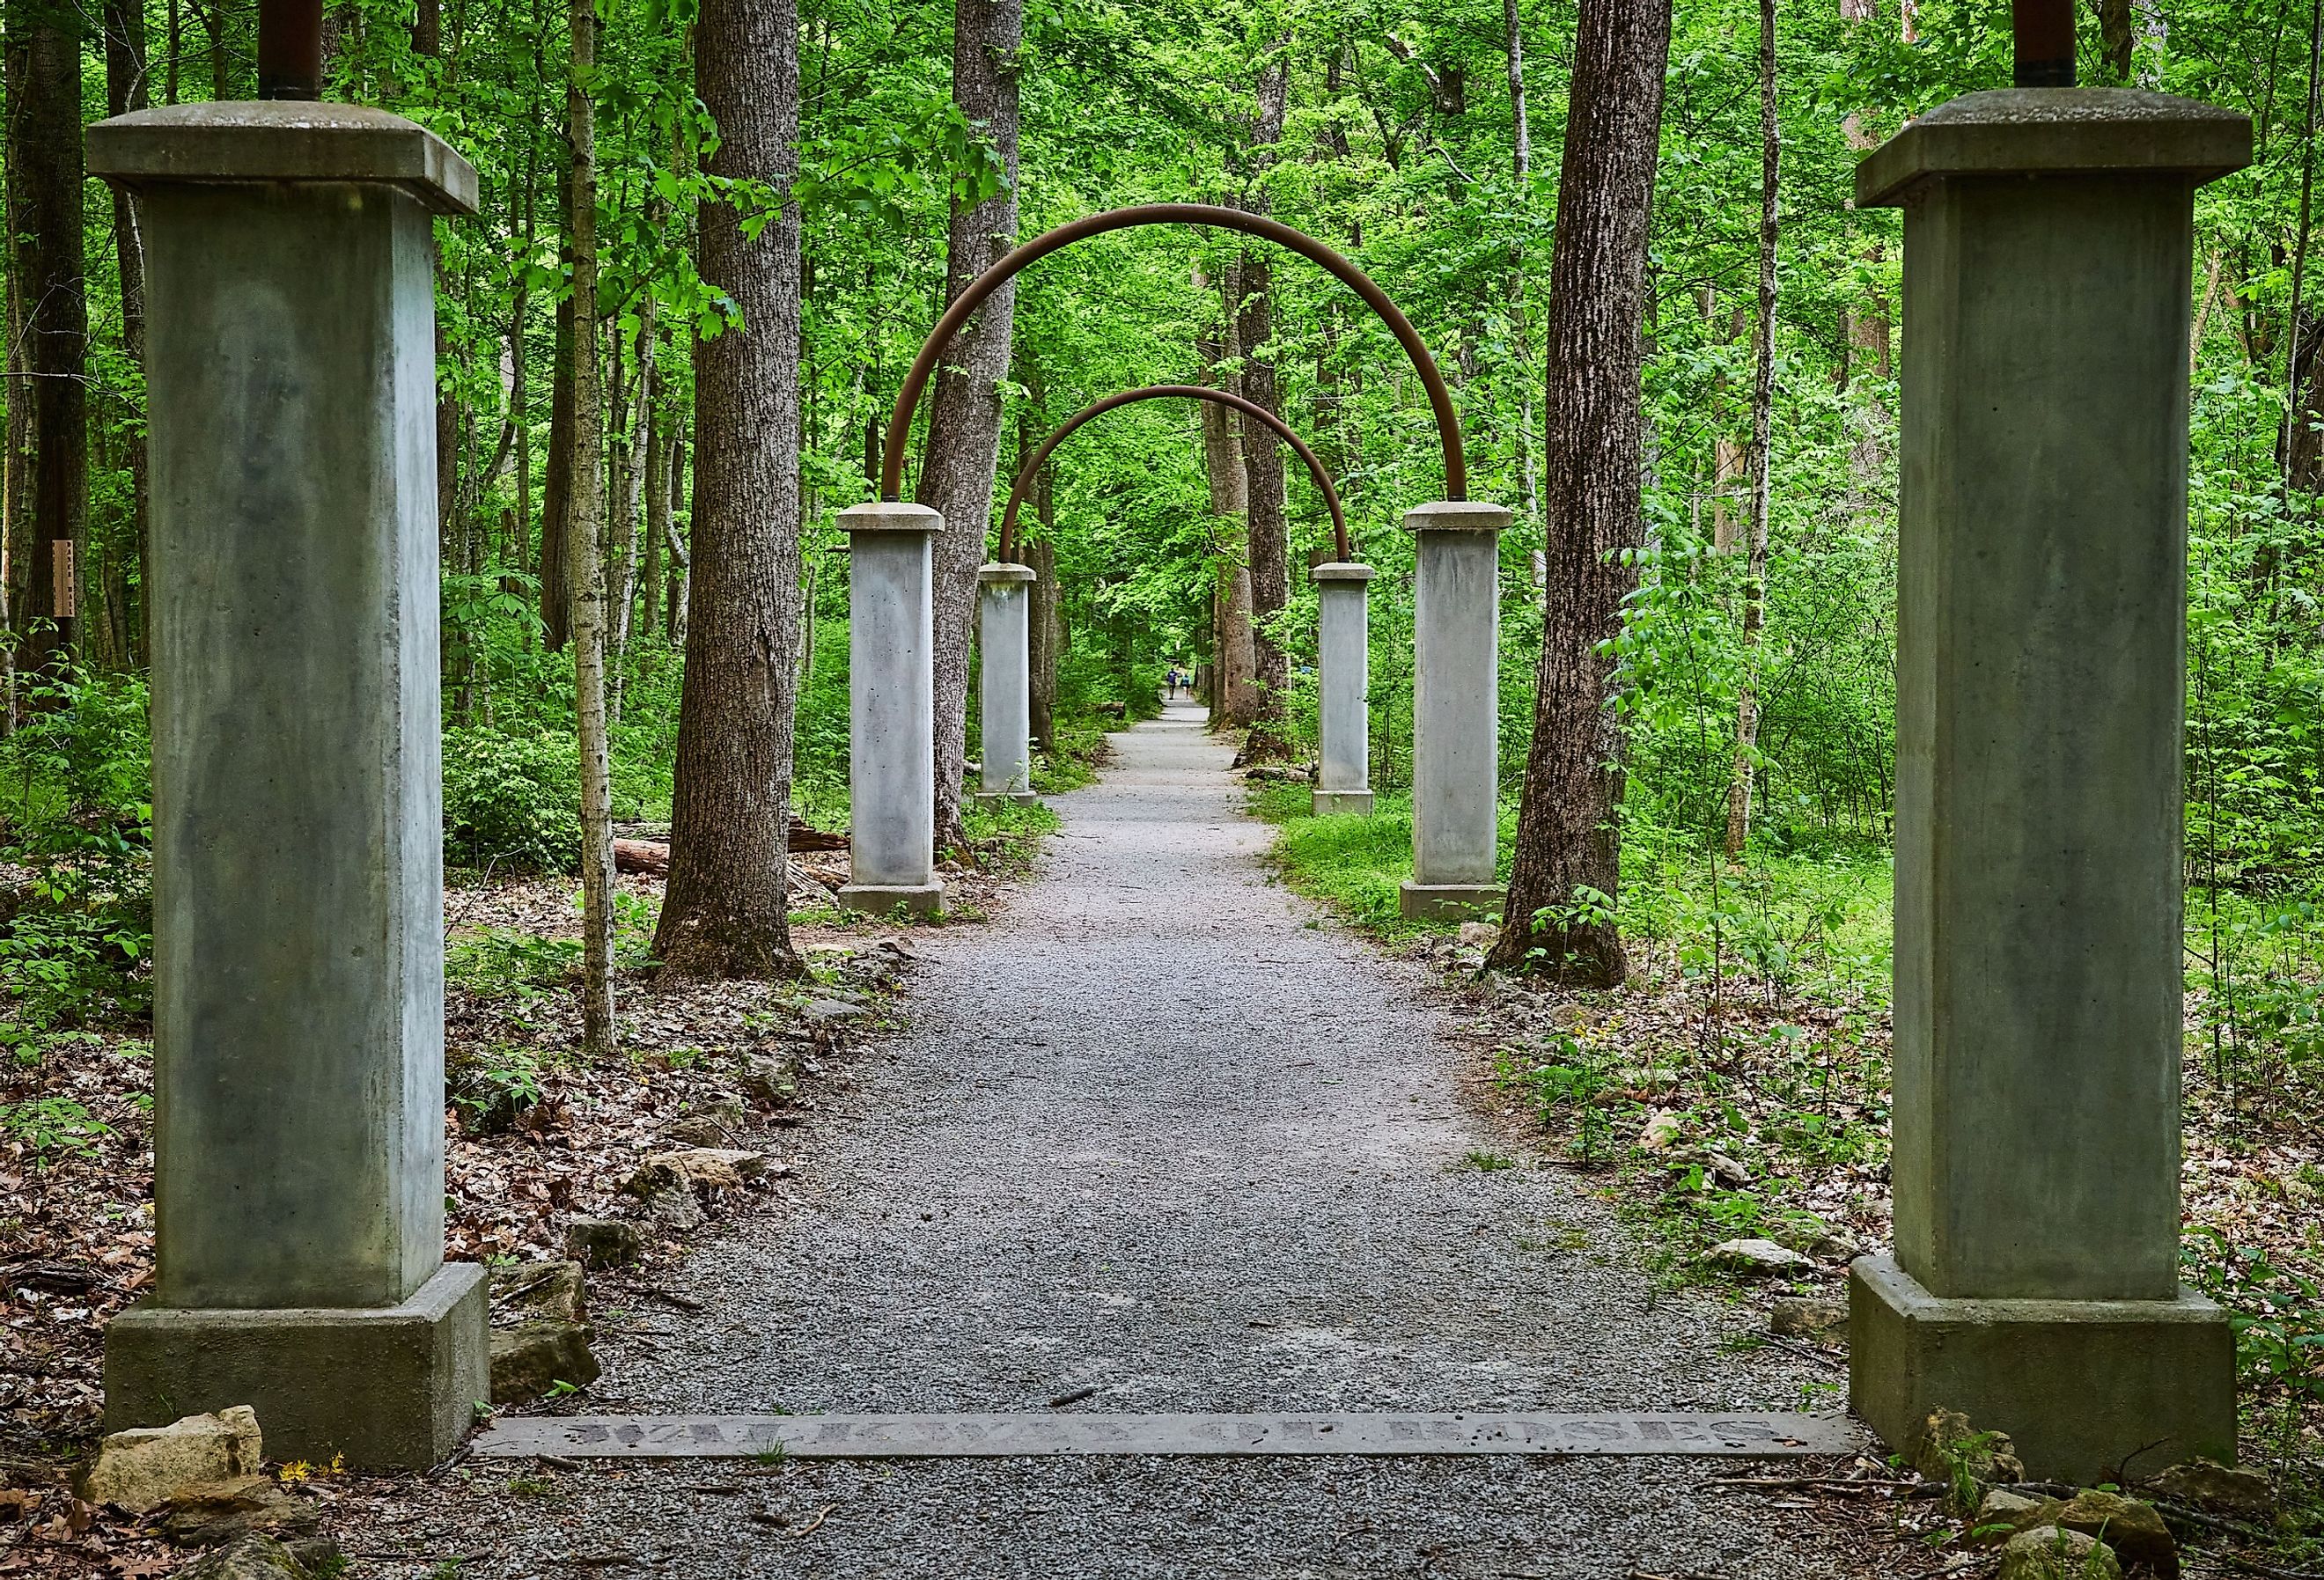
1026 474
908 398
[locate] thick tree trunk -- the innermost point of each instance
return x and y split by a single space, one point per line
964 445
723 915
125 92
1263 452
585 563
45 231
1568 856
1763 411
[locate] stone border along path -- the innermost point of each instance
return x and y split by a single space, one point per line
1158 1140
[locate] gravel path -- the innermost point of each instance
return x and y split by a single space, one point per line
1160 1132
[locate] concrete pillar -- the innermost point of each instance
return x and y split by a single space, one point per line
892 696
1005 678
1344 678
1456 629
298 828
2040 674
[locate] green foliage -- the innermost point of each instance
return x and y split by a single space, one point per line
511 803
52 1127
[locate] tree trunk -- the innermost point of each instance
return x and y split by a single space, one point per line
45 232
1521 165
124 93
1263 452
584 564
963 444
1763 410
723 915
681 561
649 600
1567 871
1234 666
1043 634
557 473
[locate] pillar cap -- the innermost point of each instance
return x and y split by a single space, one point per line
1341 570
281 140
1457 515
995 571
888 516
2057 132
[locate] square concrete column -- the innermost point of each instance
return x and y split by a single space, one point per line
1344 678
1004 683
1456 635
298 825
2041 678
892 694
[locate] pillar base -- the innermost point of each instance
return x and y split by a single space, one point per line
1323 803
1020 798
393 1387
882 899
2080 1386
1449 902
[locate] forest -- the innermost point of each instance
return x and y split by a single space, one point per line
712 236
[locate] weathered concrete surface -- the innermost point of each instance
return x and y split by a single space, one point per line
2040 671
1456 617
299 929
1343 665
892 708
993 1435
392 1388
1194 1158
2077 1384
1004 680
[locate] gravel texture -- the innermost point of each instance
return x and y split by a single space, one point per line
1157 1132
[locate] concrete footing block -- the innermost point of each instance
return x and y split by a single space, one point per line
882 899
2080 1386
392 1388
1449 902
1014 797
1325 803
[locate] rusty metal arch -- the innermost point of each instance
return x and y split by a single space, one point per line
908 398
1027 472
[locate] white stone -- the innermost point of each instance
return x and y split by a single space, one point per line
1758 1258
1343 681
1455 707
1004 680
2048 1553
892 708
147 1466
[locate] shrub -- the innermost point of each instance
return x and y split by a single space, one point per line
512 802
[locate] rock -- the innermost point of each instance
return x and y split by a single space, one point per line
2131 1528
2002 1515
1808 1318
770 1082
830 1012
531 1357
318 1554
552 1290
1663 1130
234 1510
146 1468
697 1129
1820 1241
603 1241
696 1168
673 1207
1477 934
2048 1553
1757 1259
2218 1489
1645 1078
1952 1451
252 1557
1727 1170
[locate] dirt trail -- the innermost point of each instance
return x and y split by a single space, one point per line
1159 1133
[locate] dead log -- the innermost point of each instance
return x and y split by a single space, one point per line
651 856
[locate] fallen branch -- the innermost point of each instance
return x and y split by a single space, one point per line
821 1515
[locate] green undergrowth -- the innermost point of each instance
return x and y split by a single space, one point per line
1352 865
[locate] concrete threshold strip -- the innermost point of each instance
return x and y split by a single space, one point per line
1739 1434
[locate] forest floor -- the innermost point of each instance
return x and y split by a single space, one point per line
1157 1138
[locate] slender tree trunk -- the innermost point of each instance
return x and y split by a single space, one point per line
723 915
681 558
1521 165
126 91
1263 452
1043 632
1568 867
46 242
1233 665
1763 410
584 564
557 480
650 599
963 444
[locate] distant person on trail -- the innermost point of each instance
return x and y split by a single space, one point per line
1173 683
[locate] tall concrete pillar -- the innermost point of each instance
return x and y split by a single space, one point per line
1005 680
1456 631
892 696
298 827
2040 676
1344 678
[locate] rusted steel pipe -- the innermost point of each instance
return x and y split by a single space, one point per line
2042 35
290 49
1026 474
924 367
